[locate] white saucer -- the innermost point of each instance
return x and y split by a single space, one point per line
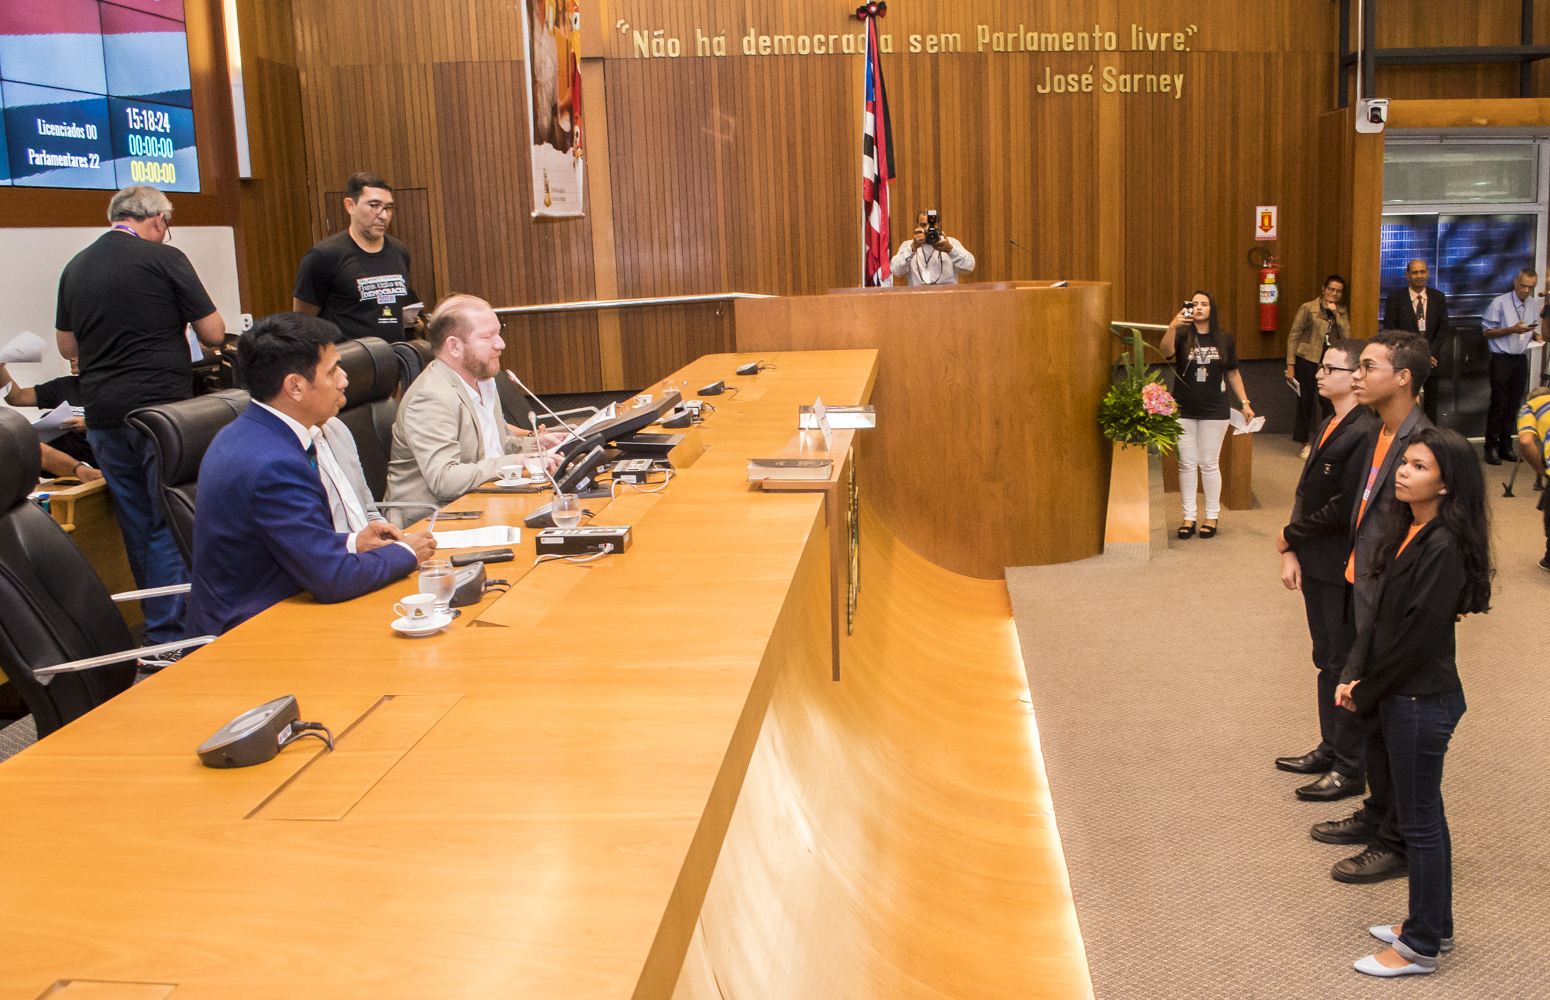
432 625
518 482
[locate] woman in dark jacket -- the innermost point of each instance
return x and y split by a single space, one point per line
1433 566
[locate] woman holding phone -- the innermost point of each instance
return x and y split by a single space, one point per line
1433 566
1205 359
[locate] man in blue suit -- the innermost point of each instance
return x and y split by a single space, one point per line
263 529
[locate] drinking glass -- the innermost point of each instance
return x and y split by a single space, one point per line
533 460
436 578
566 510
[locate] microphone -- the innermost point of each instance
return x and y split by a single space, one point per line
1021 247
533 395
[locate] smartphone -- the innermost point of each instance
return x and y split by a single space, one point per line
460 515
1189 307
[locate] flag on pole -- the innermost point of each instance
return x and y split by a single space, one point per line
876 159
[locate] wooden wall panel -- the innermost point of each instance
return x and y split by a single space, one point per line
742 173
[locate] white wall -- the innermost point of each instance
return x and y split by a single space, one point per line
32 259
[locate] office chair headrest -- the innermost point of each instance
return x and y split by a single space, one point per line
183 430
20 459
372 368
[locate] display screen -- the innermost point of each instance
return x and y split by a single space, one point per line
96 95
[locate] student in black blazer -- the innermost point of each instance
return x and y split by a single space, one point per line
1392 366
1433 565
1315 547
1400 313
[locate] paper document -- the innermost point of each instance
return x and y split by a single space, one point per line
1240 426
1295 386
411 312
196 353
52 424
469 538
25 348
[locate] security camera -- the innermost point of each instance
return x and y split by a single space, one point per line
1371 115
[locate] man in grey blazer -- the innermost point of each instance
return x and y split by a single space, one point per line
450 435
1394 366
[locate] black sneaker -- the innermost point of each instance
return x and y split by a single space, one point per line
1372 865
1350 830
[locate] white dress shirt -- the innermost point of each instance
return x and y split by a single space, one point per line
926 266
328 466
487 406
1418 303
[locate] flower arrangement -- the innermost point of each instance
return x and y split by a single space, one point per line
1140 410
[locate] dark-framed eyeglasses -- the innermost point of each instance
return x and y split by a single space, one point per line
1367 368
1326 369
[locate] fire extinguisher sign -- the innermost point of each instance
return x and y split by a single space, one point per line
1265 222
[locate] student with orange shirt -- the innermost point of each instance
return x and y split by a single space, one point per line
1314 550
1392 369
1432 565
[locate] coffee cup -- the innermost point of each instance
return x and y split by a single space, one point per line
417 607
643 399
510 473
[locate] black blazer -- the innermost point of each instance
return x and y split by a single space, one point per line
1399 314
1331 483
1408 647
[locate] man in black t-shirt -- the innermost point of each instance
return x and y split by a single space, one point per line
47 396
124 303
358 279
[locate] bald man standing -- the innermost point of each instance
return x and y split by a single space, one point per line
1421 310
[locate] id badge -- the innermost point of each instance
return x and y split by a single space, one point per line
1200 374
1420 325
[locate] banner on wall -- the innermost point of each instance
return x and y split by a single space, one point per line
552 34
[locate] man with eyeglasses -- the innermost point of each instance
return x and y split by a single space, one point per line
125 303
1419 309
358 279
1393 367
1511 324
1314 549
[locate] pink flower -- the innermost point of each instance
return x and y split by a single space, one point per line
1156 400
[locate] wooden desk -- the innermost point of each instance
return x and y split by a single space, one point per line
85 511
625 780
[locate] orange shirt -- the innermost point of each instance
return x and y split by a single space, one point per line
1330 430
1415 529
1385 441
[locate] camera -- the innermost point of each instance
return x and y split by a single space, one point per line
933 234
1372 115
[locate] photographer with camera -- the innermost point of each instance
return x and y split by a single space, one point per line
932 257
1205 360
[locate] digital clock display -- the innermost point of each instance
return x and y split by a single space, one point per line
96 94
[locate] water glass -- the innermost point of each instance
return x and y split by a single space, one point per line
533 460
436 578
566 510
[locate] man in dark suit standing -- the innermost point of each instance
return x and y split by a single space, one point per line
263 528
1314 549
1419 309
1392 368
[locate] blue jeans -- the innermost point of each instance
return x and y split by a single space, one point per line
128 463
1417 730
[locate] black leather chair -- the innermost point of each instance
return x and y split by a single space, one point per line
369 408
63 644
413 356
181 433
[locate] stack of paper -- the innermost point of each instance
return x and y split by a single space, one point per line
26 348
468 538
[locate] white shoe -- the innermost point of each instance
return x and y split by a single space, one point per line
1385 933
1372 967
1307 449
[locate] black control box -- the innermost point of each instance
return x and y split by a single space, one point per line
583 541
634 470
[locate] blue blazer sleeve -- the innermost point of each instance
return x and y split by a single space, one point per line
290 516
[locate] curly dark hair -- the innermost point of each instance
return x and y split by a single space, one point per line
1462 511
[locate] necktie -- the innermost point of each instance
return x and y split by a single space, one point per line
1420 307
312 455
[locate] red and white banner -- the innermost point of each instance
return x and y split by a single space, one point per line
876 159
552 34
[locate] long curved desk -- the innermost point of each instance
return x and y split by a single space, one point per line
630 779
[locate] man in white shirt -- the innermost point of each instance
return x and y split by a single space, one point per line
936 262
450 435
1511 324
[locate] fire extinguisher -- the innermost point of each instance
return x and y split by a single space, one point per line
1269 295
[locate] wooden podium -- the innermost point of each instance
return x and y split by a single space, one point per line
987 452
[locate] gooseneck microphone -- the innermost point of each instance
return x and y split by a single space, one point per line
535 397
1021 247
